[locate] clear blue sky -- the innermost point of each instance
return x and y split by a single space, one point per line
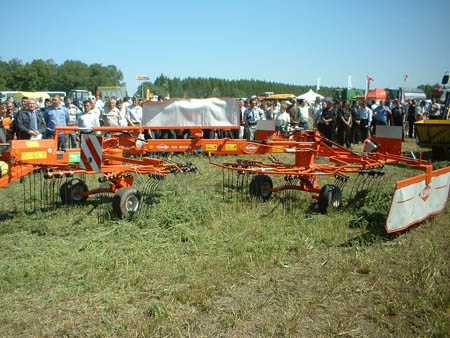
284 41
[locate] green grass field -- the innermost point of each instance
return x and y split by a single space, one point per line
198 265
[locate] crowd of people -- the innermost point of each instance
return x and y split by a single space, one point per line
339 121
31 120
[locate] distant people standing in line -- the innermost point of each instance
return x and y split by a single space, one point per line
56 115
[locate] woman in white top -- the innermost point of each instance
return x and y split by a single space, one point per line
282 119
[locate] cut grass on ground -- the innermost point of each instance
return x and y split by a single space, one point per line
196 265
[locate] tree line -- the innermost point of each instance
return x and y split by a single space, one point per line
204 87
46 75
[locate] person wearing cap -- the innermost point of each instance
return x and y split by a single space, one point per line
294 112
251 116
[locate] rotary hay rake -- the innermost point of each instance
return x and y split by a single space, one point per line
49 175
414 199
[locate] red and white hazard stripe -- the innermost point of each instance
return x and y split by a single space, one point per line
91 152
2 136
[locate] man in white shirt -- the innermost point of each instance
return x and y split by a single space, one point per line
99 103
94 109
89 119
133 113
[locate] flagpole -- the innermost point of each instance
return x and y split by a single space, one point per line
367 88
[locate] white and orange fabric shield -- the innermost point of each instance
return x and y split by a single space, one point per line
414 200
192 113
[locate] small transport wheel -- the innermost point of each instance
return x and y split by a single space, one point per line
259 186
70 189
329 196
127 202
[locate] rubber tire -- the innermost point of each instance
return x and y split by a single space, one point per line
121 202
258 185
68 189
329 196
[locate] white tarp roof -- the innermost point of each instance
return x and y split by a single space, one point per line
310 96
211 112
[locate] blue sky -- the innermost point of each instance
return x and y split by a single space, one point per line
286 41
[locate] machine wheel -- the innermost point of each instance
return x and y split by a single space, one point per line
127 201
68 191
258 187
329 196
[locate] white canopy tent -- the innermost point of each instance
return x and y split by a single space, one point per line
310 96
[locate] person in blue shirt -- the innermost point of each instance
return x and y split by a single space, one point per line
56 115
382 114
251 116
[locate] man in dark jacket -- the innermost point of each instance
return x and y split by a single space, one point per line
30 123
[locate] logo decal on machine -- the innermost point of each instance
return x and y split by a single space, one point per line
425 193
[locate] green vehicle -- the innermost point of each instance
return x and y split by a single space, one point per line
347 94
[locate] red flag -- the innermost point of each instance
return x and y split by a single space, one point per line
405 78
370 78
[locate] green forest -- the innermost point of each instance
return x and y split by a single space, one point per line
201 87
46 75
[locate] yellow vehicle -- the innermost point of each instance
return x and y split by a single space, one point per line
280 97
436 133
32 95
